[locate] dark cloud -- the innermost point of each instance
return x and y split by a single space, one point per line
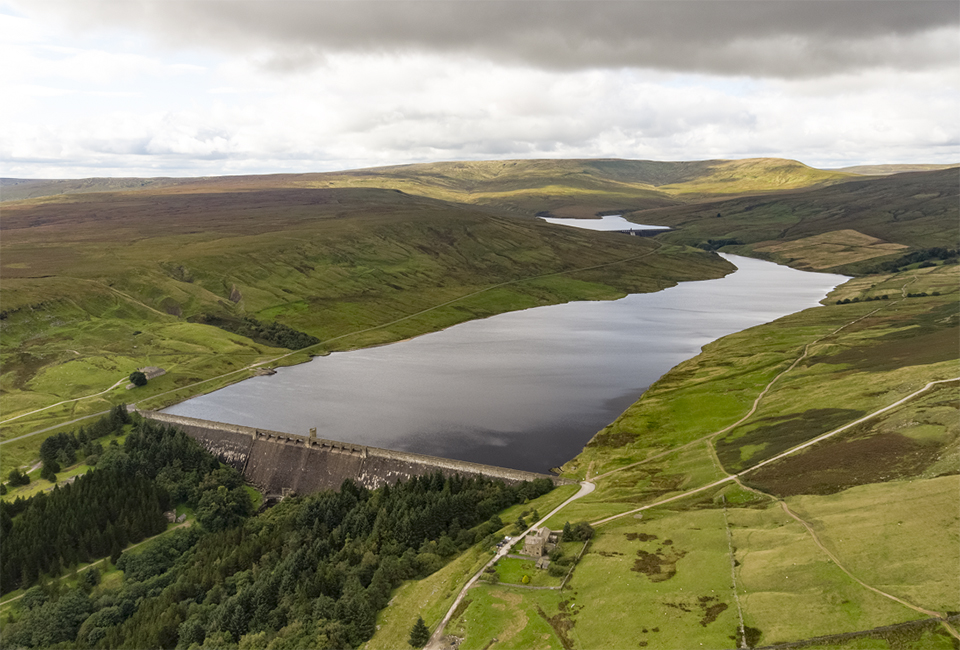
780 38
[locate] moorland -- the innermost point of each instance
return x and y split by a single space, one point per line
713 520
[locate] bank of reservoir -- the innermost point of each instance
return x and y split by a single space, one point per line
524 390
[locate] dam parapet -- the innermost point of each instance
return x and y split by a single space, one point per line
277 463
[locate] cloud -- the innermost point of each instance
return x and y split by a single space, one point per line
768 38
188 88
328 120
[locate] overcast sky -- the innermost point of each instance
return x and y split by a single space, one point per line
184 88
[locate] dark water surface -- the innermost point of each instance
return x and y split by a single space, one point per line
526 389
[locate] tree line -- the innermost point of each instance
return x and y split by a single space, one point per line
716 244
121 501
275 334
62 449
313 571
924 256
96 516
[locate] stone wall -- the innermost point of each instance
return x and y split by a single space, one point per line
277 462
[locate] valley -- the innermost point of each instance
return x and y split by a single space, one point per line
714 520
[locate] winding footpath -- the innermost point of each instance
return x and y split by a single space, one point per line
789 452
588 486
749 414
66 401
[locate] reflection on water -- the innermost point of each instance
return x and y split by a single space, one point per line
525 389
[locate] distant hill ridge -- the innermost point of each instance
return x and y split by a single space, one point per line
522 182
884 170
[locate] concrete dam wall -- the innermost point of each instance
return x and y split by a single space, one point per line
276 462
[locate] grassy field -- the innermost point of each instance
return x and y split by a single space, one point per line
512 570
839 247
789 590
882 496
659 581
665 581
505 617
916 440
903 537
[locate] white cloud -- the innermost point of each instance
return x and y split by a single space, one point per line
115 104
782 38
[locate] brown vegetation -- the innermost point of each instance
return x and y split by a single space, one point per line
832 467
777 434
658 566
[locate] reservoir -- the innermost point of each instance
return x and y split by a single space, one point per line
608 223
525 390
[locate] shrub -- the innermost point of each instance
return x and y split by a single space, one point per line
582 531
16 477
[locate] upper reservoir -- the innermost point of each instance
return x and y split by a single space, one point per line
525 389
612 222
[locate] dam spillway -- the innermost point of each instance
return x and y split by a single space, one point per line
277 463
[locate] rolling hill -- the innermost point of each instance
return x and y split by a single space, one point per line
914 210
563 187
794 485
96 285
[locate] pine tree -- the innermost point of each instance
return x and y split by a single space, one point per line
49 471
420 634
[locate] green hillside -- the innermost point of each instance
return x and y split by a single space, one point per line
586 187
96 285
914 210
323 254
794 485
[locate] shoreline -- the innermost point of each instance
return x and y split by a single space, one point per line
346 418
